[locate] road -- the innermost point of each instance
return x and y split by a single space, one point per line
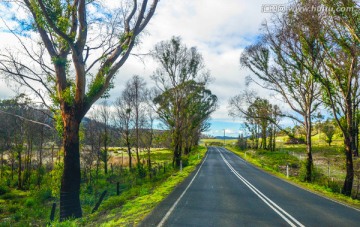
227 191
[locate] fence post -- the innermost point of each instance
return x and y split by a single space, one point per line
287 170
52 215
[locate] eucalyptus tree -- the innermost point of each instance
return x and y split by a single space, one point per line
277 60
260 116
328 128
104 117
137 94
72 50
199 104
338 36
178 66
123 117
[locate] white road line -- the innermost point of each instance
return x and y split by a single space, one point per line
163 220
282 213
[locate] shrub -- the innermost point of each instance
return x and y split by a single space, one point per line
185 161
30 202
141 171
43 195
3 189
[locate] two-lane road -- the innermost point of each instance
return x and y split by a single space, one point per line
227 191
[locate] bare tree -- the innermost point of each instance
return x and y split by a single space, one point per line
105 135
136 92
277 62
338 36
79 55
124 122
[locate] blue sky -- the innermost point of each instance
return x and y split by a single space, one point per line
219 29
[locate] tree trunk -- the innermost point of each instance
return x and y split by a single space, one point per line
177 155
130 157
19 167
309 161
348 183
263 136
2 165
70 183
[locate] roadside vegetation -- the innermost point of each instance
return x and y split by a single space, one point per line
139 192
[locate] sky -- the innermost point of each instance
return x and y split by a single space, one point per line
219 29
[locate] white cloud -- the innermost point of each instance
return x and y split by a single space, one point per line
220 30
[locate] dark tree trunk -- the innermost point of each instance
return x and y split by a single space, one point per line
130 156
177 148
70 182
349 141
19 167
309 161
2 165
263 137
348 183
177 155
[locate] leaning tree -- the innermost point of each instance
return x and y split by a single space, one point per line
70 51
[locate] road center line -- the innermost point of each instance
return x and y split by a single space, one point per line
282 213
163 220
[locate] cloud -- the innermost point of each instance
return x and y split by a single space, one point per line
220 30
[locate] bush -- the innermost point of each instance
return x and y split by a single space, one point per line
3 189
295 141
185 161
30 202
140 171
43 195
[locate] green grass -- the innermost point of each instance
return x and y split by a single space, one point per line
25 208
136 202
132 212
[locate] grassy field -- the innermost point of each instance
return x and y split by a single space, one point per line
139 195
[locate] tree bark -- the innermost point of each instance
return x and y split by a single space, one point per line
19 151
70 182
348 183
130 157
309 161
349 141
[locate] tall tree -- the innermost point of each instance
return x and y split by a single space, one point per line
277 61
137 93
104 118
179 68
76 41
338 35
261 117
124 121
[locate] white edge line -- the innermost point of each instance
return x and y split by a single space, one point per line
163 220
298 186
261 195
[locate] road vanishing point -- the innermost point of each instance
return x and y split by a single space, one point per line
225 190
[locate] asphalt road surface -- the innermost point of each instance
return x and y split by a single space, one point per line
225 190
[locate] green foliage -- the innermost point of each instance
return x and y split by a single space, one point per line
96 85
30 202
3 189
58 61
59 124
141 171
